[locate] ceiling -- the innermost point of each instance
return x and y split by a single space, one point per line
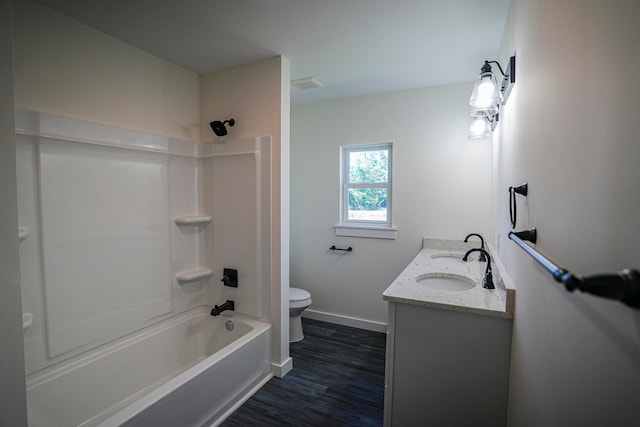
354 47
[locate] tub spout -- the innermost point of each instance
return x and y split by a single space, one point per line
229 305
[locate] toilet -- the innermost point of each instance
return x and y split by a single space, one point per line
299 300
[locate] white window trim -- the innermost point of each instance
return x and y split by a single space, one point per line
371 229
350 230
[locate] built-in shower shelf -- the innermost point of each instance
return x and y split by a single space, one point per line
27 320
194 275
23 233
193 220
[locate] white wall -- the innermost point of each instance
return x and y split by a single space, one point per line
256 96
66 68
441 188
13 407
570 129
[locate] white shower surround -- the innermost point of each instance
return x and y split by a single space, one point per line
114 233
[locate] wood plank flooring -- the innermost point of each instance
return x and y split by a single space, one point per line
337 380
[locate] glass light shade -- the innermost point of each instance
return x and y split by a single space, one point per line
485 93
479 129
490 111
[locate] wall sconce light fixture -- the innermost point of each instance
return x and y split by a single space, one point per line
482 126
487 97
479 129
486 93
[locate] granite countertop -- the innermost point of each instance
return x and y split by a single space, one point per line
444 258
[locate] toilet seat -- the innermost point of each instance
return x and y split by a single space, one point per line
299 298
296 294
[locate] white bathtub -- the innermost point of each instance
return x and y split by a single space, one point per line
186 371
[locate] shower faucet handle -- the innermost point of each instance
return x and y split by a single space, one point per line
230 277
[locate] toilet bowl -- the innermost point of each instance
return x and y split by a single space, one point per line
299 300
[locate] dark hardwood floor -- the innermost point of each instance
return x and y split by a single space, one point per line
337 380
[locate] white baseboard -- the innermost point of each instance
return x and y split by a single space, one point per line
283 369
340 319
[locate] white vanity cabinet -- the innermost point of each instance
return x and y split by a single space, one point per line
446 368
449 341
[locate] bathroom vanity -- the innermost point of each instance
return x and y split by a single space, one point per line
449 340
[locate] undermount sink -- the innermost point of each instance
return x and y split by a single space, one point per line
454 256
448 282
447 255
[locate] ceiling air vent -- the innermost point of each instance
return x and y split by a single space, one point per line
306 83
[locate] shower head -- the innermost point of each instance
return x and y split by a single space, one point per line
219 128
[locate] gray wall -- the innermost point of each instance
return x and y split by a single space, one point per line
441 188
570 129
13 411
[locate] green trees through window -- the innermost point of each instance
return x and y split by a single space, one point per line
368 167
367 187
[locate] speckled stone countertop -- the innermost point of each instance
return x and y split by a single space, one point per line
444 258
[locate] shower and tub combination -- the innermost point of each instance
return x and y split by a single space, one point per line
124 239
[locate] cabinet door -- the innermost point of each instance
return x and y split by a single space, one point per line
449 368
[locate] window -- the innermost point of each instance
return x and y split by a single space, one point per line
366 190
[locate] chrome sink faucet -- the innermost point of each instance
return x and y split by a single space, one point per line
487 280
482 257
